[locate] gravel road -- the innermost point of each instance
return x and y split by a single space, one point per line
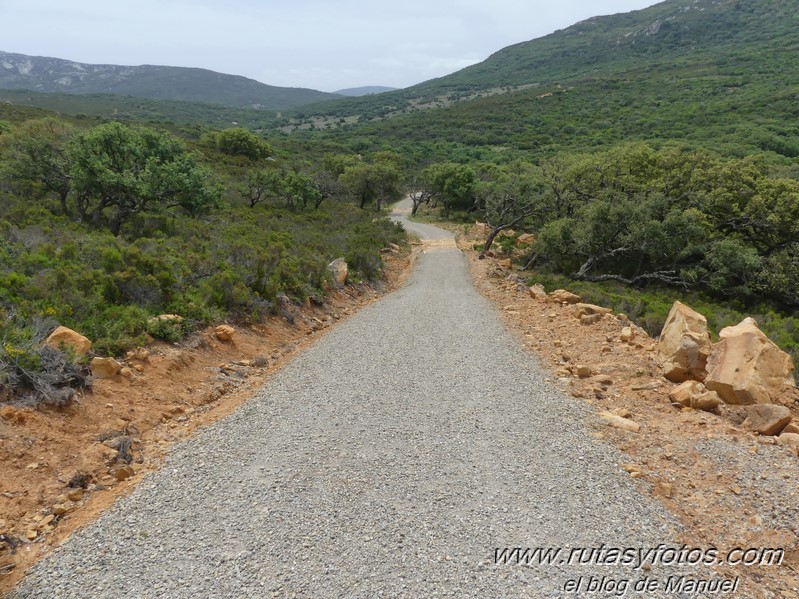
389 460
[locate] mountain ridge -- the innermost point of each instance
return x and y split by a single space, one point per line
58 75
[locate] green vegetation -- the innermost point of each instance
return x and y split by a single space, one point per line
104 228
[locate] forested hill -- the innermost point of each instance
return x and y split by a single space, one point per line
18 71
673 41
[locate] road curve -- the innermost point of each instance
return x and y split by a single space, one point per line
390 460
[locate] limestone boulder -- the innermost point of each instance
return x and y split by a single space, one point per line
746 367
684 344
339 270
176 318
590 309
104 368
565 297
537 292
621 423
224 332
767 419
64 337
693 394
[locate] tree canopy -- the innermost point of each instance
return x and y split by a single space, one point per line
121 170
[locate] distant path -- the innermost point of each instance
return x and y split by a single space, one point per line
389 460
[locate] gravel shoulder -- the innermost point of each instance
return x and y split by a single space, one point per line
389 460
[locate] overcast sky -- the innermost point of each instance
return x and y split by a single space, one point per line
321 44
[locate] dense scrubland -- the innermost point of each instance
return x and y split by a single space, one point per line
105 226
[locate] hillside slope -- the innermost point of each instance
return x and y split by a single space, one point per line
51 75
727 43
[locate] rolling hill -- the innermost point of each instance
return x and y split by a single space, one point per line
721 73
54 75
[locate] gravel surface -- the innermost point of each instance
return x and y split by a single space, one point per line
390 460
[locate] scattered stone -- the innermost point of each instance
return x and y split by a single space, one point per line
632 469
104 368
693 394
507 263
139 354
627 335
138 368
75 494
339 270
603 379
792 428
623 412
65 337
619 422
684 344
587 309
767 419
663 489
46 521
650 386
31 535
124 473
584 371
537 292
746 367
563 372
126 373
63 508
224 332
166 317
590 319
788 439
565 297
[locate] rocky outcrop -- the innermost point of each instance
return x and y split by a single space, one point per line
684 344
64 337
746 367
339 270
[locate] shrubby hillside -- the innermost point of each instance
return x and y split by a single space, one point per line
104 227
